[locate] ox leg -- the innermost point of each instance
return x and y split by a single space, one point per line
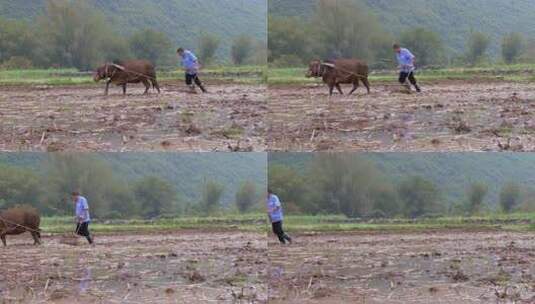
366 84
107 87
155 85
147 86
339 88
124 89
5 232
331 89
355 87
35 236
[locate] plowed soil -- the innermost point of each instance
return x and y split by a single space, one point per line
477 115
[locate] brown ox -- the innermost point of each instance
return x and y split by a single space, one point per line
340 71
18 220
128 71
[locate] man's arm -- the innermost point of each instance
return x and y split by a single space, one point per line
276 204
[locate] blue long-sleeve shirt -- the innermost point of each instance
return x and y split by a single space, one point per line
274 208
190 62
406 60
82 210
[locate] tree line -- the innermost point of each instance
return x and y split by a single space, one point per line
72 34
48 188
353 186
343 28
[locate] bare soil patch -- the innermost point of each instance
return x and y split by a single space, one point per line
446 116
435 267
178 267
81 118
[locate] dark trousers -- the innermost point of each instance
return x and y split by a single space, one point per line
277 229
410 75
190 78
83 230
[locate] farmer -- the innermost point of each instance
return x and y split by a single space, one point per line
190 63
274 209
82 216
406 64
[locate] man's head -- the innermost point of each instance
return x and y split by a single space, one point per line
269 192
396 47
180 51
75 195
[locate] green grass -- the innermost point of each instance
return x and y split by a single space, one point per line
513 222
517 72
239 74
247 222
302 223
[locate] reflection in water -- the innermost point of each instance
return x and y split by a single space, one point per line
85 281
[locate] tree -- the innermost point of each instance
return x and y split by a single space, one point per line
208 44
509 197
72 34
16 40
478 44
246 196
151 45
512 46
287 37
418 195
92 177
476 194
385 199
290 185
155 196
344 184
211 196
341 28
426 45
241 49
19 186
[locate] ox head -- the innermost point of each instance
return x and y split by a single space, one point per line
314 69
102 72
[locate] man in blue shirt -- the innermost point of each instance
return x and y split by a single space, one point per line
190 63
274 210
406 64
82 216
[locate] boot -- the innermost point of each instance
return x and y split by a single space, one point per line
417 88
288 238
202 88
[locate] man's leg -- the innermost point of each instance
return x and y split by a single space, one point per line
413 82
84 231
285 236
78 229
277 229
403 77
199 83
189 81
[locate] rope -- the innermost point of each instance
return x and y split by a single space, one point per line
333 66
122 68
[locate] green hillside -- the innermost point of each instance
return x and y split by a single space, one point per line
450 172
186 171
183 21
453 19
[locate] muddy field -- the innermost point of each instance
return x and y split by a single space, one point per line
180 267
440 267
446 116
57 118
